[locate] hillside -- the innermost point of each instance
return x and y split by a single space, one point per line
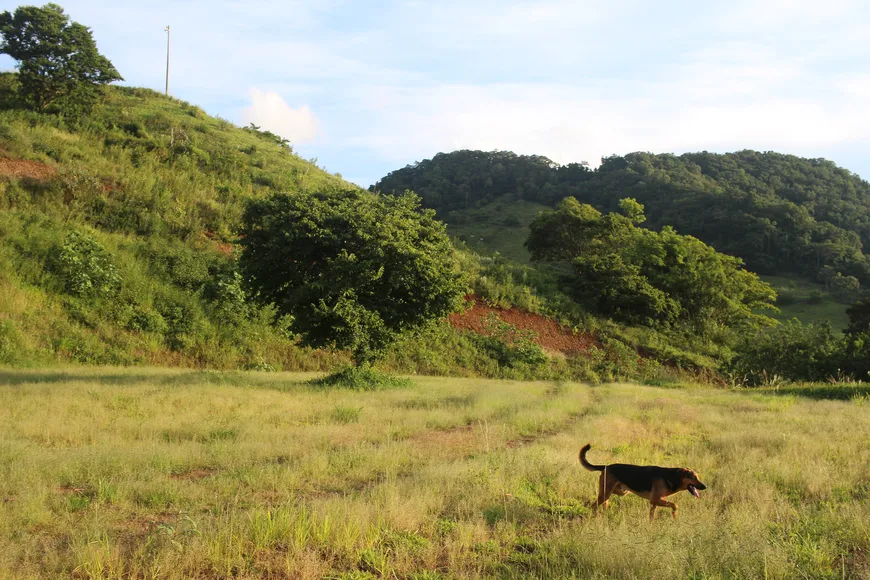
118 245
779 213
117 231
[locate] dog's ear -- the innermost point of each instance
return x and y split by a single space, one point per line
690 474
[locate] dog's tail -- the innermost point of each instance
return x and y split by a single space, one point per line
585 463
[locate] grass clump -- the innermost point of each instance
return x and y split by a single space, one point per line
361 378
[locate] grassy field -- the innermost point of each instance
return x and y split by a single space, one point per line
801 304
163 473
501 226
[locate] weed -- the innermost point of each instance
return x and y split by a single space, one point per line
361 378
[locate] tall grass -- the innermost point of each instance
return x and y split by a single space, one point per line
170 474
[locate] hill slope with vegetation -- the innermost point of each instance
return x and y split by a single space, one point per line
119 244
118 232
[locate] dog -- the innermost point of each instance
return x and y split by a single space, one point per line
648 481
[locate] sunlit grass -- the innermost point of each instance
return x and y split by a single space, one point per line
825 308
166 473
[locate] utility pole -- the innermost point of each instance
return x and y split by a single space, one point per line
167 60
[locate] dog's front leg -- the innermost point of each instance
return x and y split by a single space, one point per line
660 502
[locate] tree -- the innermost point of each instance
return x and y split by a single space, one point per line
645 277
355 270
59 65
859 317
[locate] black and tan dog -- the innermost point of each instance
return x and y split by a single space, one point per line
648 481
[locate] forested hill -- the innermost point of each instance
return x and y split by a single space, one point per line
780 213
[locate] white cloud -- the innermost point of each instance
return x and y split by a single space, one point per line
571 79
569 123
270 111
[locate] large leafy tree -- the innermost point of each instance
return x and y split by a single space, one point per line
353 269
58 62
646 277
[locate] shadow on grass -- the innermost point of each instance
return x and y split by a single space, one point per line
837 392
13 377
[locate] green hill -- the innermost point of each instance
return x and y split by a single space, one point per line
118 245
779 213
116 234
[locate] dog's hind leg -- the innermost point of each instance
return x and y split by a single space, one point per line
606 487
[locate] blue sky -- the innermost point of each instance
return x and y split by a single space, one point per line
368 87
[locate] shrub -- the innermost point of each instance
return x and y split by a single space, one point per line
179 264
509 346
790 351
9 342
355 270
785 298
229 299
361 378
85 267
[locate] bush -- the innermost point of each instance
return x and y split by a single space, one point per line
229 299
85 267
785 298
9 342
791 351
509 346
361 378
180 264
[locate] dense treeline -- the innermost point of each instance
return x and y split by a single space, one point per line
779 213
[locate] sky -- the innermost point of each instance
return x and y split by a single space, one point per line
366 87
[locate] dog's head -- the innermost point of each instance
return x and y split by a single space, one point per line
692 482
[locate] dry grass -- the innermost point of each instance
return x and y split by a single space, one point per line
169 474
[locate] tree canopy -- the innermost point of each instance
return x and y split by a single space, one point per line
353 269
645 277
58 61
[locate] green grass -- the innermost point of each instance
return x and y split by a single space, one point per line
500 226
800 303
109 473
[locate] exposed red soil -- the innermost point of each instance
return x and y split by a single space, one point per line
194 474
23 169
549 334
70 489
220 246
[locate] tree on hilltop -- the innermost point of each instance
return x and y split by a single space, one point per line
353 269
59 65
